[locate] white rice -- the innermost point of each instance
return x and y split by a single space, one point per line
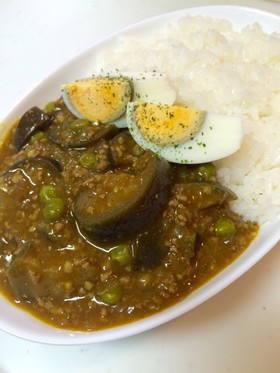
215 68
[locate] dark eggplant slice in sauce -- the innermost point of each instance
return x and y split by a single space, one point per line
38 162
118 205
149 250
30 280
33 120
80 133
204 194
26 177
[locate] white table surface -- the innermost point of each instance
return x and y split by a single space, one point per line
237 331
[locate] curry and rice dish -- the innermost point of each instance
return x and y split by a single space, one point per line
98 232
107 219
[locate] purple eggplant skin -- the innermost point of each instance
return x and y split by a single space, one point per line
63 136
126 219
32 120
205 194
22 272
38 162
148 249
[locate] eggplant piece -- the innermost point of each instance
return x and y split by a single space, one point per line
38 162
148 249
118 205
27 176
30 280
74 136
202 195
33 120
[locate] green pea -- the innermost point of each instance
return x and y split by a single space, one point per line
79 125
225 227
121 254
54 209
48 193
206 171
111 297
50 106
111 293
36 137
87 160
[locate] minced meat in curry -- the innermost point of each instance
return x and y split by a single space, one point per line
96 232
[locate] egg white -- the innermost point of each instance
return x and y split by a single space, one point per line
219 137
151 87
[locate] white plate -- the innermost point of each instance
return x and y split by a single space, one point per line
21 324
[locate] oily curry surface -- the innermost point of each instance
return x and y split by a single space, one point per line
95 232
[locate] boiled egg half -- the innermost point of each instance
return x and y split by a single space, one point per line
105 98
183 135
98 98
143 102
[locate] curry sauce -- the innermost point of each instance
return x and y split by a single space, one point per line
96 232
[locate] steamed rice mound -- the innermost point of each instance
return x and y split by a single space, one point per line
216 68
